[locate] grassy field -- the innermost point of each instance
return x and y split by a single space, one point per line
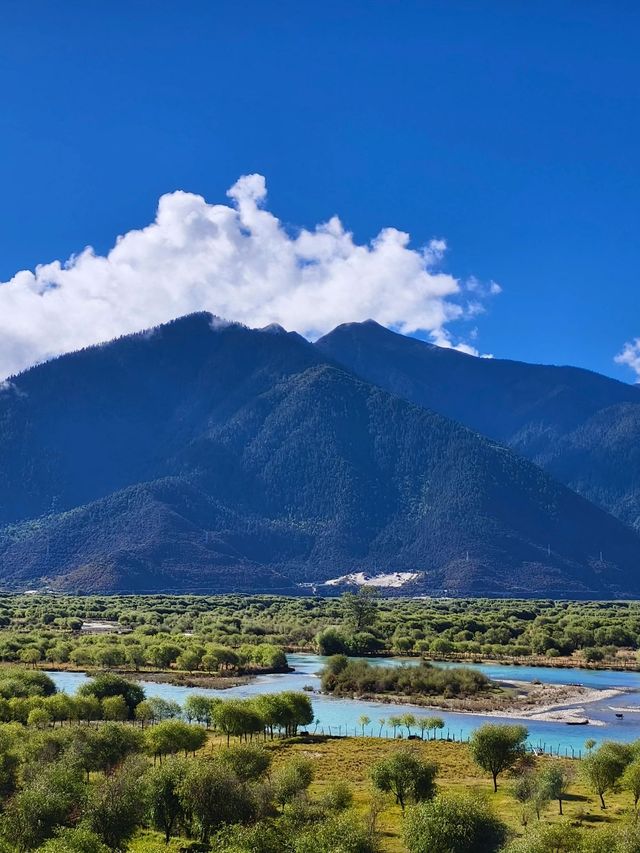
350 760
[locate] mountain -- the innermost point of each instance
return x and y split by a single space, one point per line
579 426
207 456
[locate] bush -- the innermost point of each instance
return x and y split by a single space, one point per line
406 777
108 684
453 824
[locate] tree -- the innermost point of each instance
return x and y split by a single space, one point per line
331 641
496 748
111 744
298 711
172 736
554 781
60 707
338 797
453 823
46 802
434 724
164 709
292 779
604 767
213 796
631 782
236 718
395 723
31 655
77 839
360 608
189 659
405 776
109 684
550 838
199 708
525 790
114 708
364 721
9 761
162 655
135 656
39 718
249 763
163 792
87 708
342 833
117 804
408 720
144 713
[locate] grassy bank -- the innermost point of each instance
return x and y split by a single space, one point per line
351 759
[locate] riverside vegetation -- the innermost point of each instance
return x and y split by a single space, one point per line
110 770
234 635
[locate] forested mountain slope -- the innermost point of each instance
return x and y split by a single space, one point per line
581 427
207 456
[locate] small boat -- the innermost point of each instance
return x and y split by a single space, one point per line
620 716
577 722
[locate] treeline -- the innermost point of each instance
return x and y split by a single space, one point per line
137 651
46 628
343 677
83 791
30 698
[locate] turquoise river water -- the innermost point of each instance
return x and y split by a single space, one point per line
341 716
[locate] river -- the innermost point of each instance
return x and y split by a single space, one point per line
340 716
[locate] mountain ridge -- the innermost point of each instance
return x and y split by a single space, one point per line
581 427
208 456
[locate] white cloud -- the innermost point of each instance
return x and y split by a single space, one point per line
630 355
237 261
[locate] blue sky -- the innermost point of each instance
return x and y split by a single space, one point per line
509 129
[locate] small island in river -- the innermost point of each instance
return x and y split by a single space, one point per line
460 689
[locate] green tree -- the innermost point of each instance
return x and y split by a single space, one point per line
360 608
144 713
200 708
115 708
395 723
550 838
110 684
604 767
434 724
39 718
453 823
76 839
342 833
405 776
117 805
213 796
31 655
338 797
495 748
189 659
162 655
554 781
331 641
9 760
163 792
292 779
630 781
47 801
248 762
364 721
408 720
